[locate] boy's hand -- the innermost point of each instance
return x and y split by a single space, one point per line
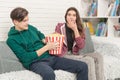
52 45
44 41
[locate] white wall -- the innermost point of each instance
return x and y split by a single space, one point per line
44 14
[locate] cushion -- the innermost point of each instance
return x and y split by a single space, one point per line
89 47
8 60
29 75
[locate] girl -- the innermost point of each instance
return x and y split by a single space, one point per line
74 34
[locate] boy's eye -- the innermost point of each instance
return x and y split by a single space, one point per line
25 20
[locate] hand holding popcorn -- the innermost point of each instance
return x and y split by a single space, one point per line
56 41
52 45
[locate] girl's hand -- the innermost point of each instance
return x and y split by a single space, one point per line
72 25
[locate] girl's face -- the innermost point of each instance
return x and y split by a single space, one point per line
71 16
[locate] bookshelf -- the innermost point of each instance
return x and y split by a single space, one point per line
102 16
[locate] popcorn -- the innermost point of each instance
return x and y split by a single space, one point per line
55 37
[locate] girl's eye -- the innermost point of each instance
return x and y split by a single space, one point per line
69 14
74 15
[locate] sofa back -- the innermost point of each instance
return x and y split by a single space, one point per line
8 60
89 47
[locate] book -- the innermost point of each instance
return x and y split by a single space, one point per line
101 29
90 26
114 9
93 9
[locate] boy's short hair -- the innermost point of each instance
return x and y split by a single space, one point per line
18 14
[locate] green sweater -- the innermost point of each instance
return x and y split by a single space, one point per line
25 43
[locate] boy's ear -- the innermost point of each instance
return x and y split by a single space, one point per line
15 22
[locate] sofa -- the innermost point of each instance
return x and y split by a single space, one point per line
13 69
9 63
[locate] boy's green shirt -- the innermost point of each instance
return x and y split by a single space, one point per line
25 43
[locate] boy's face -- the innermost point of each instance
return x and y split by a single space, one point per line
22 25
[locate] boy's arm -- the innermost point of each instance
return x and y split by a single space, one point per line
20 52
48 46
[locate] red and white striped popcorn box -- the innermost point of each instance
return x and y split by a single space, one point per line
55 37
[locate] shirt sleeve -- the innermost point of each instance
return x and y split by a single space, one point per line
80 42
20 52
41 35
57 29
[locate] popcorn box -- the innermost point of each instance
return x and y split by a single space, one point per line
55 37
